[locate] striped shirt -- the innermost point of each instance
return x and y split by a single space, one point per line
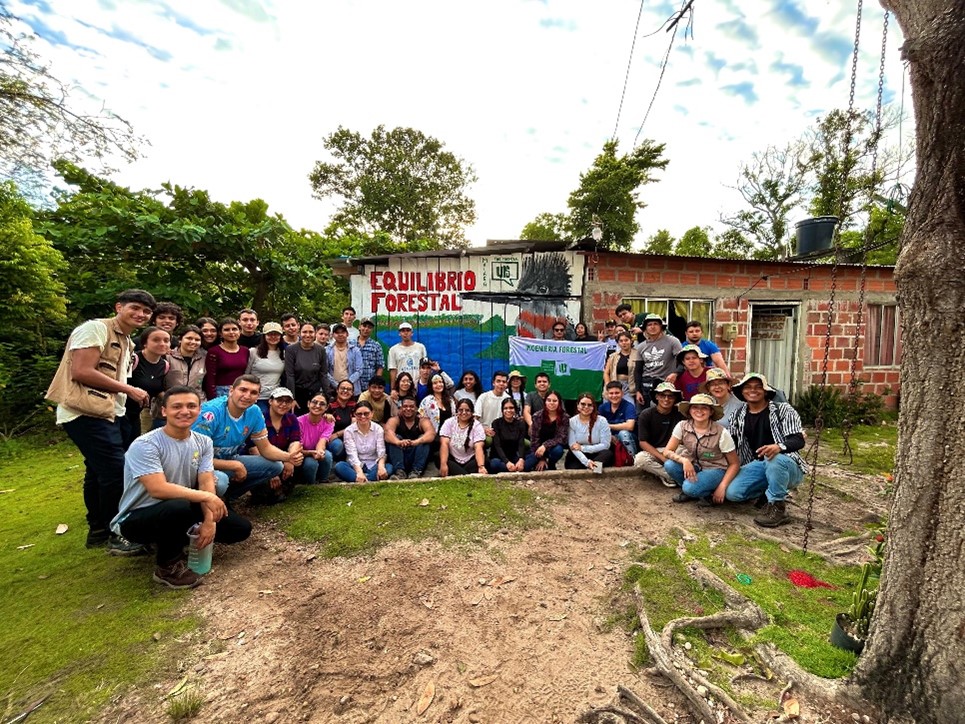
373 358
784 421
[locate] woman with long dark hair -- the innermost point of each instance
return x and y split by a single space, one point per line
589 437
209 332
583 333
364 448
470 387
463 440
149 366
306 366
226 361
621 366
187 362
516 389
508 451
548 434
404 387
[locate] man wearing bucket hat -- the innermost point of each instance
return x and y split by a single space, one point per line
768 436
659 352
701 454
654 425
717 385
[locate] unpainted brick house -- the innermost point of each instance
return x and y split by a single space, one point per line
766 316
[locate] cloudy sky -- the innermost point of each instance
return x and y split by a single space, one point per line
236 96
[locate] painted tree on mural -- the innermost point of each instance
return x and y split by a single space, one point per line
913 666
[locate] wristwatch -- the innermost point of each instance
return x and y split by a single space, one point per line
782 446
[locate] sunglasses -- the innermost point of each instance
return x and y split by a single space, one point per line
362 414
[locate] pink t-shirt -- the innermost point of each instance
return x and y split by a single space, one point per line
312 432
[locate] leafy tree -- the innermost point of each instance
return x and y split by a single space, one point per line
400 182
659 243
546 227
37 120
33 307
207 256
732 244
609 191
694 242
772 184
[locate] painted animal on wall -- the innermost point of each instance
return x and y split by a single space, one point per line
542 294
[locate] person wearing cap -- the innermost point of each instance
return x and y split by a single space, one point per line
516 389
383 407
701 454
694 335
348 319
659 352
769 436
654 426
694 373
405 356
285 434
373 358
609 335
344 359
717 385
428 368
266 361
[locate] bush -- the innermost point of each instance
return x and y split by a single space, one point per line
864 408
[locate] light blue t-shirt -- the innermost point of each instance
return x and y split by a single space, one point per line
157 452
226 432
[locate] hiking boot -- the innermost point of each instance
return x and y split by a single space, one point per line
97 537
176 575
118 545
773 515
761 501
706 502
398 475
682 498
416 474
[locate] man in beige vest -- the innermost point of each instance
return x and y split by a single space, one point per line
90 389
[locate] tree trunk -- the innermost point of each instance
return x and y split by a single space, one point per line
914 664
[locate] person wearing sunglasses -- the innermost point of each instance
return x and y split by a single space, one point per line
364 449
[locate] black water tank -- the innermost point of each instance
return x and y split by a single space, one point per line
815 235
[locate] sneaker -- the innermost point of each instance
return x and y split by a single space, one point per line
177 575
682 498
669 482
416 474
706 502
398 475
97 537
773 515
118 545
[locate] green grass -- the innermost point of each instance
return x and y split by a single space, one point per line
801 617
348 520
873 446
78 624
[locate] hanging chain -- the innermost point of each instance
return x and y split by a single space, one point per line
819 419
848 423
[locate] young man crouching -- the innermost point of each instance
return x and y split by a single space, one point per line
169 486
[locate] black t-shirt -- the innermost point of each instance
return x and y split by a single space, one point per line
623 365
757 429
655 428
404 432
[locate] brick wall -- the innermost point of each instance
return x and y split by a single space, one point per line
733 285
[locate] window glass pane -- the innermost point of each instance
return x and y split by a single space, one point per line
700 311
637 305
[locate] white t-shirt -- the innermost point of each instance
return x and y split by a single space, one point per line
488 407
94 334
406 359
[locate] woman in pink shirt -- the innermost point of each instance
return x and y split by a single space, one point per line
316 429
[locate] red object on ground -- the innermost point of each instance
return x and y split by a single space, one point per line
806 580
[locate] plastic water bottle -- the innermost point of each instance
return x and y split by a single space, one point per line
199 559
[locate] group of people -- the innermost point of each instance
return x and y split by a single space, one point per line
176 429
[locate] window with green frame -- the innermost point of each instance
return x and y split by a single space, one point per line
677 312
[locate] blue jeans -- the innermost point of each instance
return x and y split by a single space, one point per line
775 477
314 471
553 456
408 459
101 442
629 440
336 447
707 479
346 472
260 471
497 465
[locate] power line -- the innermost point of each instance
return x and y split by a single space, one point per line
663 68
626 78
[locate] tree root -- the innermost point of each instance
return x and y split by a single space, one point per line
645 709
610 715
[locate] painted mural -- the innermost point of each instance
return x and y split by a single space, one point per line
465 308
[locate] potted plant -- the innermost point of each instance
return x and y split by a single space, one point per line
851 627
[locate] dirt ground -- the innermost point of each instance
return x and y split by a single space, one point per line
508 632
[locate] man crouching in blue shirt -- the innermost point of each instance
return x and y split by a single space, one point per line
169 486
231 420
